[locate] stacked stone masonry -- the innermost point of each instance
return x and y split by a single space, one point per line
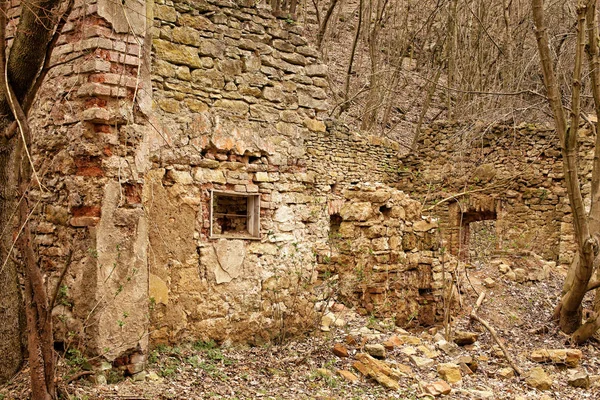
153 110
510 175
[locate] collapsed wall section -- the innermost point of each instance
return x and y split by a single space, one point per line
509 176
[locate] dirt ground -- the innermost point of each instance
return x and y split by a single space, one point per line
306 368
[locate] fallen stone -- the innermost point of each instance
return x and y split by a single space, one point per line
449 372
376 350
489 283
413 340
463 338
481 394
437 388
351 340
153 376
377 370
568 357
469 361
520 275
409 351
505 373
427 352
446 347
347 375
324 372
503 268
579 379
340 350
422 362
326 321
392 342
538 378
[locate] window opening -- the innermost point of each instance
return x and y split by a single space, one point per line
234 215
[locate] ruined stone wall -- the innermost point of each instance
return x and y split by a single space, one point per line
152 110
387 256
513 175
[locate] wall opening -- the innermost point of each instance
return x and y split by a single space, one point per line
478 235
234 215
335 222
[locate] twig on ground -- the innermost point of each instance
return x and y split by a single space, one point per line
492 332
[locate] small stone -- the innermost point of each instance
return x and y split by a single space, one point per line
463 338
437 388
153 376
449 372
347 375
340 350
506 373
446 347
481 394
139 377
427 352
339 323
510 275
579 379
422 362
568 357
324 372
520 275
489 283
469 362
503 268
411 340
409 351
100 379
351 341
393 342
538 379
376 350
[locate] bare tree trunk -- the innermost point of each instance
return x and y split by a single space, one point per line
323 25
587 244
21 74
345 104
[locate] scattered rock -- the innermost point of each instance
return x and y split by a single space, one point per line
568 357
579 379
538 379
139 377
351 341
392 342
153 376
326 321
446 347
409 351
427 352
377 370
422 362
437 388
449 372
505 373
347 375
503 268
413 340
469 361
324 372
340 350
520 275
463 338
376 350
489 283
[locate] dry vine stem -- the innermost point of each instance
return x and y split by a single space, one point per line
492 332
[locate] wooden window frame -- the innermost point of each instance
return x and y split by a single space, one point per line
252 215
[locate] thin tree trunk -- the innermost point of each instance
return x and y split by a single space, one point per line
570 307
323 25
